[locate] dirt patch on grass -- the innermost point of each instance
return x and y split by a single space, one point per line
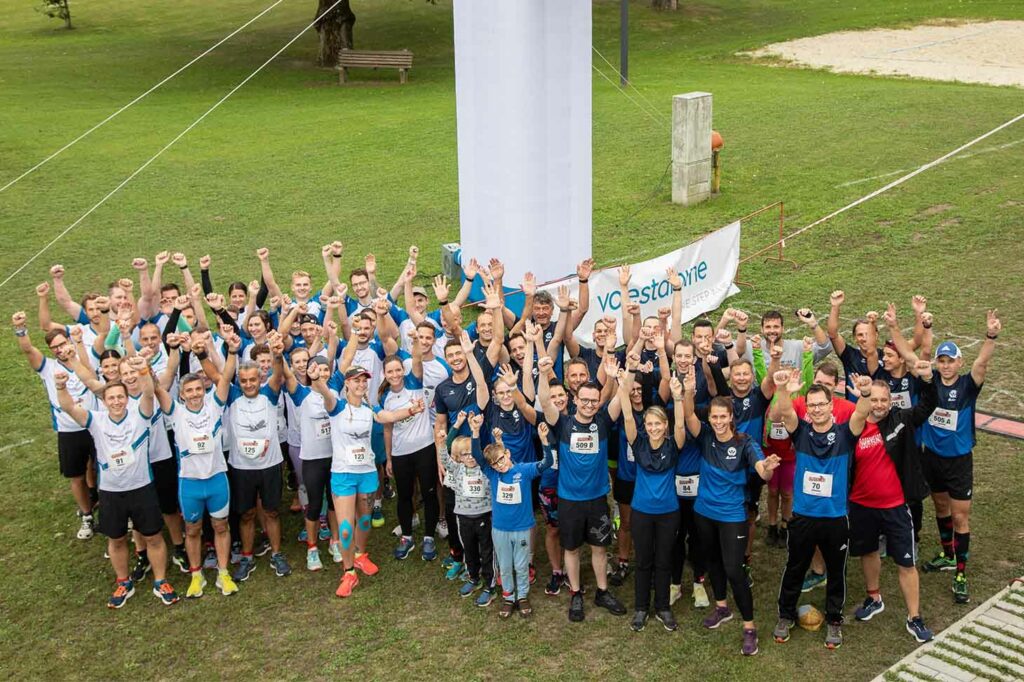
936 209
989 52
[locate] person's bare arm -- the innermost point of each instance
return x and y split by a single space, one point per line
838 343
992 328
20 323
60 291
66 402
551 413
273 288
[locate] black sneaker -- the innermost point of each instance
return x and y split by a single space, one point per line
293 481
262 548
618 576
388 491
576 614
667 620
554 586
639 621
772 538
141 568
783 537
607 600
180 559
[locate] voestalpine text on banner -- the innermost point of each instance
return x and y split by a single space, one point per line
707 268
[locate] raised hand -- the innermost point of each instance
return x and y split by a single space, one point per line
263 253
837 298
492 299
254 287
57 272
545 364
633 308
471 269
370 263
676 387
562 299
337 248
741 318
724 337
179 259
465 342
624 275
313 371
475 422
863 383
497 269
919 304
141 263
795 384
807 317
60 379
508 375
781 378
441 288
674 280
460 418
771 462
19 320
162 258
808 344
76 335
137 363
215 301
43 290
529 284
775 351
543 431
890 315
923 369
992 325
689 382
585 269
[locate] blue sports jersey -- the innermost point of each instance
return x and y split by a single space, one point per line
724 467
655 491
822 480
512 507
748 413
854 362
949 431
626 460
517 433
582 456
452 397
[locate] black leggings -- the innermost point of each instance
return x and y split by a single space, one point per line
725 543
316 474
454 542
417 466
687 544
475 535
653 540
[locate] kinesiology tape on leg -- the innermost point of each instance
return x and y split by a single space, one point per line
364 523
346 533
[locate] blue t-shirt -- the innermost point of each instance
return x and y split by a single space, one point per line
626 459
854 362
724 468
582 456
512 507
949 431
452 397
517 433
549 477
655 491
822 479
748 413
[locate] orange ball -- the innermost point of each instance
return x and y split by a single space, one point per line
716 140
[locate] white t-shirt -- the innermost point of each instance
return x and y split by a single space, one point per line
350 438
198 436
80 394
255 443
314 423
122 448
435 370
412 433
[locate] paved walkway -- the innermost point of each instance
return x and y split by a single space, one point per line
986 644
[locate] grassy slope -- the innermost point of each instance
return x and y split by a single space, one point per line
291 154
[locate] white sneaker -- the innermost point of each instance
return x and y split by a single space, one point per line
442 529
85 530
674 593
397 530
313 559
700 596
335 549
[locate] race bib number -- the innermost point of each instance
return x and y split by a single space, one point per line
509 493
473 486
778 431
323 429
686 486
122 460
629 453
901 400
583 443
357 454
818 485
251 448
202 444
943 419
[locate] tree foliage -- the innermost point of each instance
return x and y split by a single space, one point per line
57 9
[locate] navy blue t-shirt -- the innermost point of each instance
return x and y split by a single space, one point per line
452 397
949 431
517 432
655 491
748 413
822 480
582 456
724 468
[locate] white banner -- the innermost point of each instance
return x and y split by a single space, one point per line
707 268
523 105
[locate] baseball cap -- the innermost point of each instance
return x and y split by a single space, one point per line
318 360
419 290
356 371
949 349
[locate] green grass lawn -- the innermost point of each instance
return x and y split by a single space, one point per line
293 161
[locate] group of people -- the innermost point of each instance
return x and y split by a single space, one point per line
179 407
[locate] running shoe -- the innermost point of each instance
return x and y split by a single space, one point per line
485 598
554 586
917 628
639 621
749 647
834 636
348 581
313 559
236 553
141 568
675 592
813 580
454 571
667 620
720 615
607 600
429 551
507 607
941 562
782 628
280 564
245 568
700 596
469 587
576 613
618 575
405 547
869 609
442 528
783 537
195 588
960 594
335 549
525 610
397 530
363 563
123 591
210 558
165 593
226 585
388 491
447 562
377 517
85 531
303 536
180 559
262 548
772 538
324 532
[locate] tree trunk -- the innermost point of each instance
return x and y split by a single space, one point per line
67 14
665 4
335 29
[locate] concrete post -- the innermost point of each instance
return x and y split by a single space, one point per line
691 148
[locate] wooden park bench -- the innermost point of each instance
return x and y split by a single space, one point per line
401 60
